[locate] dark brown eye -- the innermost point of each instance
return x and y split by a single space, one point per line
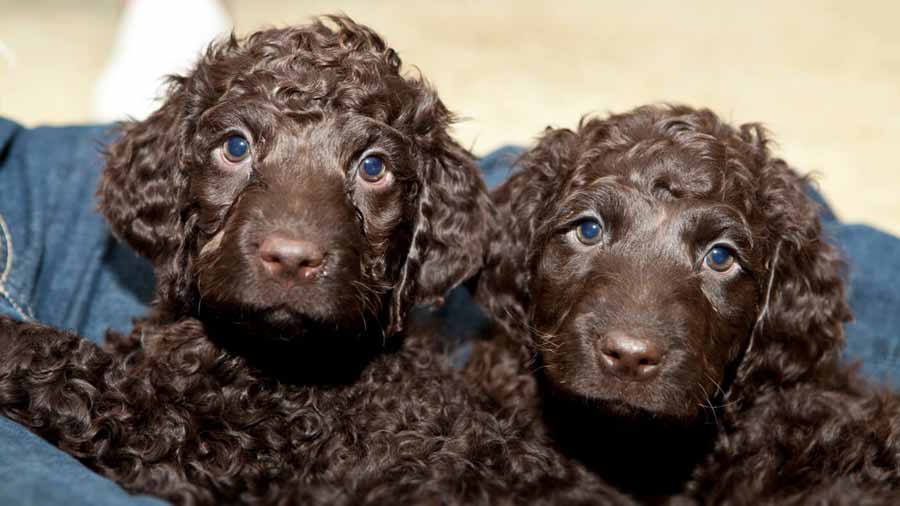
372 169
236 148
719 258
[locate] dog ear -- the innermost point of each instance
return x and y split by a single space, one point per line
140 192
141 185
451 230
503 287
803 306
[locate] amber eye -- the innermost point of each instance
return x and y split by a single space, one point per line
236 148
720 258
589 231
372 169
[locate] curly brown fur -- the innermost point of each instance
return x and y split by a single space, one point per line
184 419
663 374
260 380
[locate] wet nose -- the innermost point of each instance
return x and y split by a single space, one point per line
288 258
629 357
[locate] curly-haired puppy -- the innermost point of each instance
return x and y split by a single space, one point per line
296 196
669 278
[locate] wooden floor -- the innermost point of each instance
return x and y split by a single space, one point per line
824 76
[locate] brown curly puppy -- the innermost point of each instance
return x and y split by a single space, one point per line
296 196
669 280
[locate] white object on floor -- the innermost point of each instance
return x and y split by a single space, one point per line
155 38
7 55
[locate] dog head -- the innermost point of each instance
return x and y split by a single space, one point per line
295 179
661 258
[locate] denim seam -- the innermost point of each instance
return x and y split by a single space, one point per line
5 295
4 231
7 269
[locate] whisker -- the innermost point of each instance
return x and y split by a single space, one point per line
708 404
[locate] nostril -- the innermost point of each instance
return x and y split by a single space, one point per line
312 261
270 256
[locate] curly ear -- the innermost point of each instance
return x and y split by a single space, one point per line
803 297
140 189
141 194
451 230
504 285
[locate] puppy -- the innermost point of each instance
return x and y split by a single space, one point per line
296 195
667 301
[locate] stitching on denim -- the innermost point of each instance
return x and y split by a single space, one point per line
26 315
29 313
9 251
4 231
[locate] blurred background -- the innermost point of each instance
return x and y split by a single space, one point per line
823 76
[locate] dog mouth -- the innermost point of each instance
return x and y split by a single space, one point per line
614 408
278 323
617 398
285 286
283 311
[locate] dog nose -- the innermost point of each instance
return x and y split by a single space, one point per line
629 357
284 257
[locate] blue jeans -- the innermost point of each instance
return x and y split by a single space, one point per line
59 265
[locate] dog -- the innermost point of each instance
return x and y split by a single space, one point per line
297 196
664 297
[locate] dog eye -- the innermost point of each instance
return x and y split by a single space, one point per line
372 169
719 258
236 148
588 231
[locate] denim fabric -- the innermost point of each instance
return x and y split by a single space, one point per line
35 473
874 290
59 265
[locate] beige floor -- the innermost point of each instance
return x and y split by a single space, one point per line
825 76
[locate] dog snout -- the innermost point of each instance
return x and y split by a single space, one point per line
629 356
291 259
